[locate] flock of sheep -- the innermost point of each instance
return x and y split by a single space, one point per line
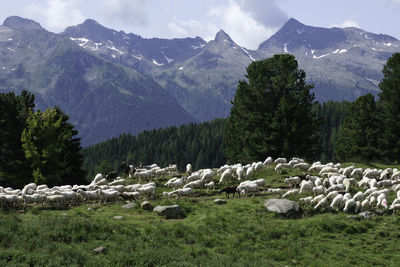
329 185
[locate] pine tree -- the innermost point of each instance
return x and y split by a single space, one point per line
49 142
15 169
271 113
358 134
389 109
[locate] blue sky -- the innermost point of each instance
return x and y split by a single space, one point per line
248 22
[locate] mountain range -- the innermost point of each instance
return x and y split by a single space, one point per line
111 82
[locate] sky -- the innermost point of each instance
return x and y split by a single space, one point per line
248 22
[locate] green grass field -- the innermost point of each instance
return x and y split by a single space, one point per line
240 233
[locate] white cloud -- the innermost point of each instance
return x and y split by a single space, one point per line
124 11
347 23
56 15
241 25
181 28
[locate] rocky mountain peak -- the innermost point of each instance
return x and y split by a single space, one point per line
222 36
18 23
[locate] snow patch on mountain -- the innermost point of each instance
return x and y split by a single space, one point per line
247 52
83 41
156 63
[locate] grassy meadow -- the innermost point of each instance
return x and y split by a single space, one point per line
239 233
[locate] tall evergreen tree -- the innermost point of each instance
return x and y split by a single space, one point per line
358 134
389 105
15 169
271 113
49 142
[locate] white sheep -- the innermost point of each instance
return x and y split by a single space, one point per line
317 190
107 195
293 181
210 185
302 166
291 192
207 175
268 161
189 168
281 166
226 175
249 188
337 201
195 184
321 204
281 160
306 200
182 192
306 186
349 205
317 199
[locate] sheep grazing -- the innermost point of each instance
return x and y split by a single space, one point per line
317 190
349 205
195 184
275 191
31 186
306 186
189 168
174 182
281 160
249 171
226 175
210 185
268 161
106 195
194 177
317 199
228 190
118 181
306 200
281 167
248 188
147 190
207 175
180 193
321 204
293 181
291 192
97 178
302 166
240 172
337 201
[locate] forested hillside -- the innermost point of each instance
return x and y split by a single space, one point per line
198 144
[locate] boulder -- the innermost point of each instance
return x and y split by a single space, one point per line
130 205
146 205
99 250
220 201
282 206
170 212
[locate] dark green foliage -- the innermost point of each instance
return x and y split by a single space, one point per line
330 115
271 113
198 144
358 134
14 110
389 106
49 142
